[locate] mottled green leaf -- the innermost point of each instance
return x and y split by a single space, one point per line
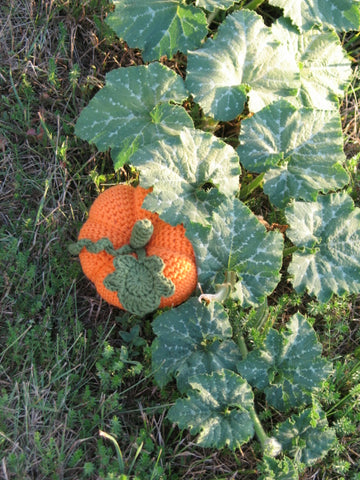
133 110
244 59
236 241
192 339
177 168
338 14
325 69
328 234
278 469
307 436
301 151
289 368
158 27
211 5
216 408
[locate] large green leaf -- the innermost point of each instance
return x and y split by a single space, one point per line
244 59
192 339
212 5
307 436
236 241
301 151
325 69
217 408
177 168
289 368
339 14
133 110
328 232
158 27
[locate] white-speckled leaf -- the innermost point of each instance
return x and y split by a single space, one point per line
192 339
211 5
217 408
328 234
289 368
158 27
236 241
325 69
301 151
177 168
244 59
307 436
133 109
337 14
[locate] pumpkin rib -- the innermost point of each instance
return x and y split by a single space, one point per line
113 215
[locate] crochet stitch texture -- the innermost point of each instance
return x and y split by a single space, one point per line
113 216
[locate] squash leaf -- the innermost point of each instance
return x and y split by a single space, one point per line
211 5
217 407
328 234
289 368
301 151
158 27
236 241
177 168
340 15
133 109
307 436
324 67
192 339
278 469
244 59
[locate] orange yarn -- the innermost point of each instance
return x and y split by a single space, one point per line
113 215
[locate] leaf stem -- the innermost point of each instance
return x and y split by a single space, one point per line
290 250
242 346
254 4
271 447
248 189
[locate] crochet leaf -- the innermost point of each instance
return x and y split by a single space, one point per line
140 284
93 247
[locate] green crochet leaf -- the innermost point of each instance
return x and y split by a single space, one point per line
97 247
301 151
158 27
217 407
139 284
289 368
328 234
243 60
133 109
339 15
325 69
307 436
192 339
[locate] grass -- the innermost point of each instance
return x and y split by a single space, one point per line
71 366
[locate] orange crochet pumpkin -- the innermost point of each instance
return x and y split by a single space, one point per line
113 216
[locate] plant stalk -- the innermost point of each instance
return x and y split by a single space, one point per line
271 447
254 4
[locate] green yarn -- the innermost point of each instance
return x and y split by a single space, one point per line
138 281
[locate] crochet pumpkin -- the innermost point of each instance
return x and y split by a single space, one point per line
137 261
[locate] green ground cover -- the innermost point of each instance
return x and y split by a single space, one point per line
77 396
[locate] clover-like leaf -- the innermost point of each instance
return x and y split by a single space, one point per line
139 284
325 69
177 168
217 407
340 15
301 151
158 27
289 368
192 339
244 59
328 234
235 240
133 110
307 436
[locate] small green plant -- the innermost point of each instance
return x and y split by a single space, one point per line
282 83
